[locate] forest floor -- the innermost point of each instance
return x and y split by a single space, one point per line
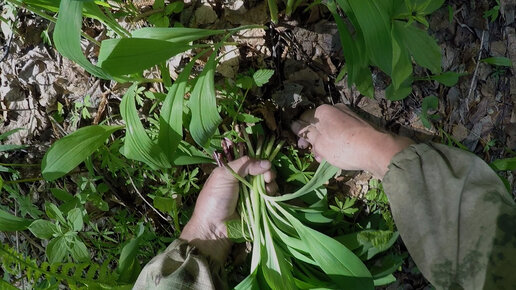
38 84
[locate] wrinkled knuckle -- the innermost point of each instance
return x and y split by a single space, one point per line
325 108
245 159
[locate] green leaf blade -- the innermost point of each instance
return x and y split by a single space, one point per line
67 37
337 261
323 174
42 229
375 26
262 76
421 46
179 35
498 61
69 151
448 78
75 219
203 106
79 251
11 223
171 117
137 144
57 249
132 55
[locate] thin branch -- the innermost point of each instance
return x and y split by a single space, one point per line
474 79
144 200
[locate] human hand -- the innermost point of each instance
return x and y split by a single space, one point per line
217 203
345 140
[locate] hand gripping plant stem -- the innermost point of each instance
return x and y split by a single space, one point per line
287 254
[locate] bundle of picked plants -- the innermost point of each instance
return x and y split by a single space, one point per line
286 252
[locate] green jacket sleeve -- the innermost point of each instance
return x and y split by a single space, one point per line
181 266
455 216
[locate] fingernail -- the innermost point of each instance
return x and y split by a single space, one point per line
265 164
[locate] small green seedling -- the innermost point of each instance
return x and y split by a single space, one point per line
62 234
493 13
498 61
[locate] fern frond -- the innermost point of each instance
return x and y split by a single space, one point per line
74 275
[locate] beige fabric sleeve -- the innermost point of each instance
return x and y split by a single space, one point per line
181 266
455 216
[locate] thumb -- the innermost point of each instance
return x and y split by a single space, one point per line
245 165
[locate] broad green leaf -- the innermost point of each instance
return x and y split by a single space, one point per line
11 223
401 93
159 20
386 265
245 82
373 242
42 229
187 154
137 144
430 102
429 6
61 195
249 283
75 219
171 118
10 147
69 151
448 78
401 63
309 215
375 25
235 230
421 46
275 268
248 118
133 55
57 249
273 10
54 212
348 45
177 35
50 5
67 36
262 76
79 251
90 9
324 172
128 265
294 245
498 61
97 201
174 7
504 164
384 280
203 106
337 261
364 82
164 204
357 65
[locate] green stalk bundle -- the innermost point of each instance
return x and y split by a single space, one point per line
287 254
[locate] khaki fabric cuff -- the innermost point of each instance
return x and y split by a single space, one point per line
181 266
